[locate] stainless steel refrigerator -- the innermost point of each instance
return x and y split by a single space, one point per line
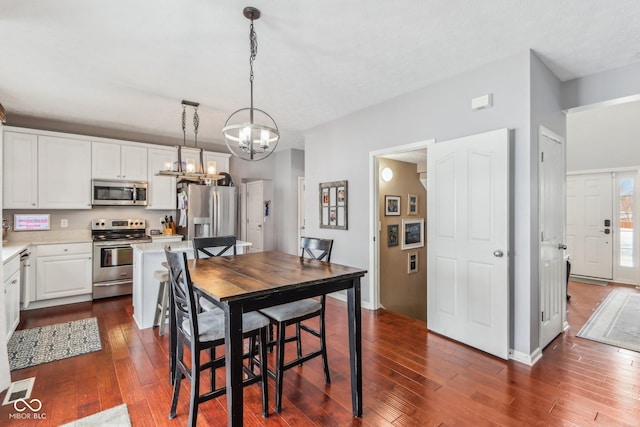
210 211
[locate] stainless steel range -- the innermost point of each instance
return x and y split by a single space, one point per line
113 255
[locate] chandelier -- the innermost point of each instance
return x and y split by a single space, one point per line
251 133
189 171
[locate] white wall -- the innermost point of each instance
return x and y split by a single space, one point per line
604 138
339 151
5 375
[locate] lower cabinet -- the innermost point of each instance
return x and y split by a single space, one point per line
63 270
12 296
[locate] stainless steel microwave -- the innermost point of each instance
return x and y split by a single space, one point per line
119 193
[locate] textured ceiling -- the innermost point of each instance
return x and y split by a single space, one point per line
126 65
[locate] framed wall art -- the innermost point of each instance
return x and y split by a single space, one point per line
412 204
412 233
392 235
412 262
391 205
333 205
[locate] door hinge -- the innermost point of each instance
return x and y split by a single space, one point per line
542 236
542 157
542 317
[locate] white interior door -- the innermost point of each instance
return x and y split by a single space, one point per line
552 244
468 241
255 232
589 226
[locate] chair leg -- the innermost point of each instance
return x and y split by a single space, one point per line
323 347
252 350
177 380
164 308
212 371
279 365
271 338
298 340
263 372
195 386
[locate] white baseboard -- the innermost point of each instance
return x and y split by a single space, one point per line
34 305
527 359
342 296
589 280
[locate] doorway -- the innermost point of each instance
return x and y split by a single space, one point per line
408 153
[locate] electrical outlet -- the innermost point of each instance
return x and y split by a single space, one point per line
64 223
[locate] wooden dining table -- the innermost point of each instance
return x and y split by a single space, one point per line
243 283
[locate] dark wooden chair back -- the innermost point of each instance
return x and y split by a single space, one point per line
182 291
316 248
206 244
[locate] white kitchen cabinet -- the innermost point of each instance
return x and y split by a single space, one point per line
63 270
161 193
12 295
20 171
118 161
64 173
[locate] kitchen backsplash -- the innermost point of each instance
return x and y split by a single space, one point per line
80 220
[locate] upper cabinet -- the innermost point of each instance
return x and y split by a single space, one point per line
20 171
118 161
45 172
162 189
64 173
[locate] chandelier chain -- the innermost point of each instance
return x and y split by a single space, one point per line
253 49
184 125
196 123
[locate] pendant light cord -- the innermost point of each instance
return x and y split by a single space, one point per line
253 51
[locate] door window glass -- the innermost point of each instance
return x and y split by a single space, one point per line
626 222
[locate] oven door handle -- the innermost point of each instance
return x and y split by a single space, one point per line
120 243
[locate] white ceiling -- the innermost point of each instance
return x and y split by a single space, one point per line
126 65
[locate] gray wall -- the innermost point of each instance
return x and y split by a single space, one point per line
600 87
289 166
339 151
546 110
604 138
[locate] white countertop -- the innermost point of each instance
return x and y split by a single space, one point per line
176 246
9 250
18 241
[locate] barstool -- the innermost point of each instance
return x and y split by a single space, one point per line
162 304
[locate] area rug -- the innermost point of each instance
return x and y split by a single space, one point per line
30 347
116 416
616 322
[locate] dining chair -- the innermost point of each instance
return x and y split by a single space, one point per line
207 247
204 332
294 313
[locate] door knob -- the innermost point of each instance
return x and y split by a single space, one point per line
561 246
498 253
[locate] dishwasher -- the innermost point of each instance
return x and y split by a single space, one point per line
26 279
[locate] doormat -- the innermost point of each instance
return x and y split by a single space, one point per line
616 322
30 347
116 416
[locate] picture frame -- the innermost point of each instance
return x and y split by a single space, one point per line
334 205
412 204
392 235
412 262
391 205
412 233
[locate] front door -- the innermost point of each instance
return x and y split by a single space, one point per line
552 220
589 225
468 241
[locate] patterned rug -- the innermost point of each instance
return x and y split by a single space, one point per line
30 347
116 416
616 321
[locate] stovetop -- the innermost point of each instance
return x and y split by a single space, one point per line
118 229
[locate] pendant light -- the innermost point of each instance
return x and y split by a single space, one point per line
251 133
192 173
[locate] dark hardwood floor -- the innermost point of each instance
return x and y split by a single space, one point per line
411 377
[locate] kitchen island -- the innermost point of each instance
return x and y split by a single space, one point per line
148 258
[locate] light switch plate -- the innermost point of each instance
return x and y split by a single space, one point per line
482 102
